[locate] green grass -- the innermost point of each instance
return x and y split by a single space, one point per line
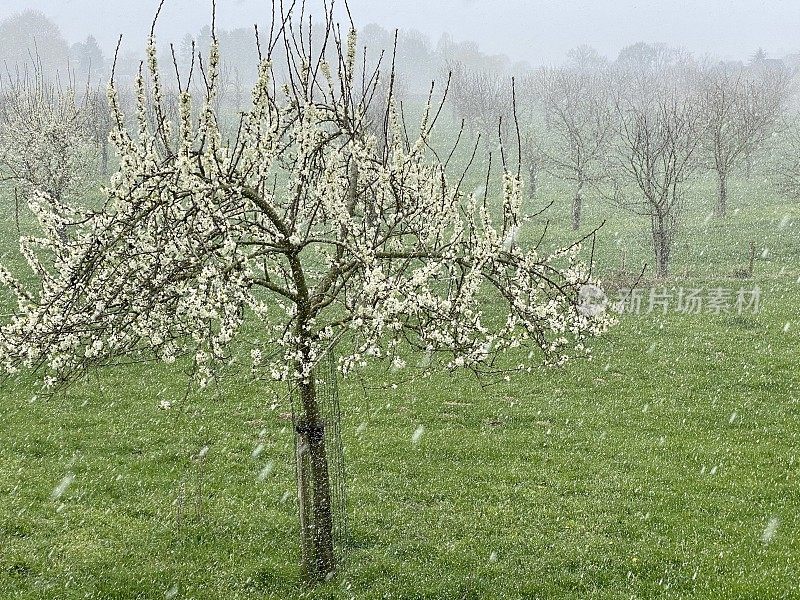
650 472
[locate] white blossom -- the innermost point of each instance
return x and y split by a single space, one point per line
300 223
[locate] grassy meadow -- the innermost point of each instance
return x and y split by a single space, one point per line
666 467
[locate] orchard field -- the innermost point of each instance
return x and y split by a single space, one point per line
665 467
198 228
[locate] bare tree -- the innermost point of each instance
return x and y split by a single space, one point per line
480 99
642 70
580 124
656 153
302 226
530 156
587 59
785 168
740 113
485 104
99 124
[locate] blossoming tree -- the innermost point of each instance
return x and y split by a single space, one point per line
45 142
302 224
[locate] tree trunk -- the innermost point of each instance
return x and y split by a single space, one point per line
314 489
663 261
577 206
104 156
660 247
532 176
721 208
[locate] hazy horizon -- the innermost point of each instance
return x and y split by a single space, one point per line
543 34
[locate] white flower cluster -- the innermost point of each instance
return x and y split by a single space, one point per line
46 141
303 223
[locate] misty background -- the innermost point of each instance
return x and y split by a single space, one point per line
719 80
538 32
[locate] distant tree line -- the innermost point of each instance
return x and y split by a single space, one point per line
633 131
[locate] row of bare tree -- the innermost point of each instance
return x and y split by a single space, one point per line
637 131
633 132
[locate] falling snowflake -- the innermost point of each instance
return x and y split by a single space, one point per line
417 434
266 471
59 490
769 530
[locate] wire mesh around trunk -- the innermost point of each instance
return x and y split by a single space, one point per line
327 393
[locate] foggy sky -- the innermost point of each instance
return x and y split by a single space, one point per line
539 31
